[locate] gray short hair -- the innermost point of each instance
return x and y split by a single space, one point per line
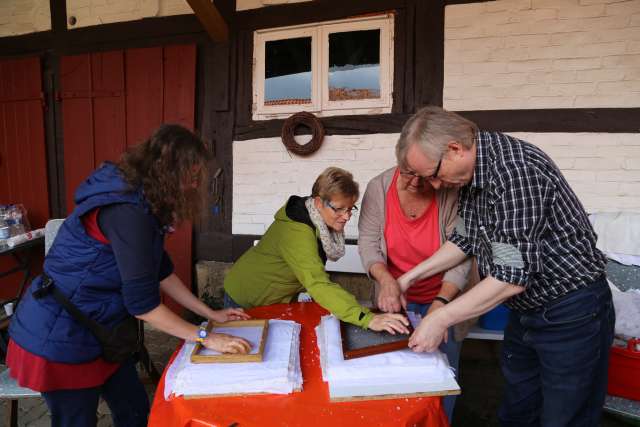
432 128
335 181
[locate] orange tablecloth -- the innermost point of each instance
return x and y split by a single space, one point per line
308 408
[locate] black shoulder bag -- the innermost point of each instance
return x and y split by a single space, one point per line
118 344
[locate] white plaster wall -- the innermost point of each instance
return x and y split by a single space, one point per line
518 54
24 16
603 169
265 174
255 4
96 12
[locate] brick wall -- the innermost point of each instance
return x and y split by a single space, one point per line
265 174
24 16
603 169
95 12
515 54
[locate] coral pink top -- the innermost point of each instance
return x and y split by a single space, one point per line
411 241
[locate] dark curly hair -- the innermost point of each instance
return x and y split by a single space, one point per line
171 167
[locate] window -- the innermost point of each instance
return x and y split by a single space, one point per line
339 67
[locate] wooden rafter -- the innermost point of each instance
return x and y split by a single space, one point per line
211 19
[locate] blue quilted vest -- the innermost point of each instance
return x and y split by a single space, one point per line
85 270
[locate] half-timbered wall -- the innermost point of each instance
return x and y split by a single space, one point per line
504 55
514 54
24 16
83 13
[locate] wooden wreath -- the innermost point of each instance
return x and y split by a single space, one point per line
302 119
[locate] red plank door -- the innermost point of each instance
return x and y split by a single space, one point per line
113 100
23 166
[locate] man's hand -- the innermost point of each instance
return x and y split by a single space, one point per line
404 282
390 297
429 334
435 305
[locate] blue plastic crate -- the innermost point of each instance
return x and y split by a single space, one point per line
496 319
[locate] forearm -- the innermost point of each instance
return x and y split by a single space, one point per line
380 273
448 291
167 321
449 255
175 288
481 298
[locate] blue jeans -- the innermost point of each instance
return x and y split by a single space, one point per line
451 348
230 303
123 392
555 360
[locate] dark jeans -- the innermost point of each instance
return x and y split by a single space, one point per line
451 348
229 302
123 392
555 360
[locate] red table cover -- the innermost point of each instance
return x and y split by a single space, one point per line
308 408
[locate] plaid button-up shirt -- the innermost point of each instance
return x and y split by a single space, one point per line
524 224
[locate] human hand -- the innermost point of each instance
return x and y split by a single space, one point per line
405 281
227 344
390 298
390 322
429 333
229 314
435 305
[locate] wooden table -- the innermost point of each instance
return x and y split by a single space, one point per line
308 408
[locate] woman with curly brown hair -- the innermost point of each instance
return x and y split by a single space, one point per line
107 266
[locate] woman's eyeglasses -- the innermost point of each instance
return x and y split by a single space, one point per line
411 174
341 211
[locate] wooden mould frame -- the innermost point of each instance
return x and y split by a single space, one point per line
233 358
349 353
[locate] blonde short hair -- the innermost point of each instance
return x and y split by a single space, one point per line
335 181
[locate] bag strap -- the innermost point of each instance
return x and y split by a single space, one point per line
48 286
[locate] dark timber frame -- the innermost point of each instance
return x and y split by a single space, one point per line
224 86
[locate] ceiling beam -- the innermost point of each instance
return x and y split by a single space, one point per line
211 19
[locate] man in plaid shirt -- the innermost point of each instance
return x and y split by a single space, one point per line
536 251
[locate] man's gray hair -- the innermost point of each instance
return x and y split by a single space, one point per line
432 128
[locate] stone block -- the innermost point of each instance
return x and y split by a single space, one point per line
210 280
357 284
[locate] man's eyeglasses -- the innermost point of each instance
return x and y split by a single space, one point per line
341 211
411 174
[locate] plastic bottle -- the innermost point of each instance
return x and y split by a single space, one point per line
5 232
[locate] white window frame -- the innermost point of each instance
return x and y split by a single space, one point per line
260 40
320 103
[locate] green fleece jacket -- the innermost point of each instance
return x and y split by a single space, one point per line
287 261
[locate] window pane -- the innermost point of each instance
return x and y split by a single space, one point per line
287 72
354 65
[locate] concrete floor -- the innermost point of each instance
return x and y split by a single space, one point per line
33 411
481 383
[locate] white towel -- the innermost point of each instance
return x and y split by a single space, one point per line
278 373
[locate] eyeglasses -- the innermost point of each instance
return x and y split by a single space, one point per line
411 174
341 211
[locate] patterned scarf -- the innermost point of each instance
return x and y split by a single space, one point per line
332 241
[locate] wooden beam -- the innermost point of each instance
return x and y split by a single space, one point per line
211 19
58 11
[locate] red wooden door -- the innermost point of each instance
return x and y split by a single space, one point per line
23 166
117 99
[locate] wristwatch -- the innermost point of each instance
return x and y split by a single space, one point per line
202 334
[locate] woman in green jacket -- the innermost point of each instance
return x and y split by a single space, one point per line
291 256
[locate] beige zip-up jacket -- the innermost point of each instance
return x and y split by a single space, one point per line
371 243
